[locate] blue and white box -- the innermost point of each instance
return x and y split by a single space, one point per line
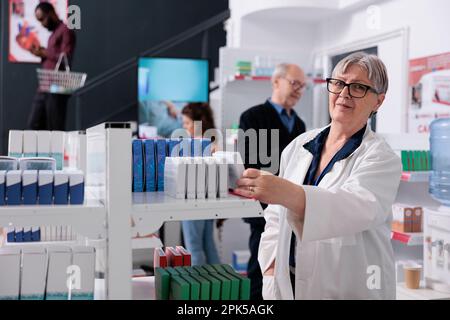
196 147
27 234
57 148
161 154
2 187
138 166
150 165
10 273
174 147
185 147
37 164
61 188
14 187
19 234
45 187
30 187
15 146
34 272
240 260
35 234
29 144
175 177
206 147
59 259
11 234
200 178
76 187
44 143
84 258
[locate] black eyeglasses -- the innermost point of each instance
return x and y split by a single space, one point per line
355 90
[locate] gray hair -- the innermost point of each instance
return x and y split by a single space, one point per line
280 71
375 68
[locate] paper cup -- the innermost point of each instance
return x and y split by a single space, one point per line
412 276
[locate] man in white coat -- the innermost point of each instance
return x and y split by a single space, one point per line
327 233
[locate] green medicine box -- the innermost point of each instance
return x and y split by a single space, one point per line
200 270
162 284
215 286
205 286
244 282
191 270
172 271
179 288
194 285
209 268
234 282
181 270
225 291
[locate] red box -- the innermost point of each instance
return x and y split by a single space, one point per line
174 258
186 256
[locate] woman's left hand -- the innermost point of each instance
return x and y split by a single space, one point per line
262 186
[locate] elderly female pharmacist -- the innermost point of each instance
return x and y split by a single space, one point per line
327 232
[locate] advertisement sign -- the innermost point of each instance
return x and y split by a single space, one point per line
25 31
429 81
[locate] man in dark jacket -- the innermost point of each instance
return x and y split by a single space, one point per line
48 110
277 113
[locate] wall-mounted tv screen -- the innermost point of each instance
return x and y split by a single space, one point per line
165 86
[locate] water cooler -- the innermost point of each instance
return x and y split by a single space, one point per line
437 220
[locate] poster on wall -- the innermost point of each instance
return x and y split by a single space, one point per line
25 31
429 82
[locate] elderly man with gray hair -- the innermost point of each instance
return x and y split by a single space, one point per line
327 234
277 113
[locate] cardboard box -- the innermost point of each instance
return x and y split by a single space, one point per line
15 145
138 166
10 273
76 187
161 154
417 219
61 188
206 147
27 234
222 168
30 187
211 178
84 258
57 148
44 142
175 178
174 258
150 165
185 254
30 144
200 189
159 258
191 176
9 163
59 260
235 166
45 187
174 148
14 187
402 218
2 188
196 148
34 273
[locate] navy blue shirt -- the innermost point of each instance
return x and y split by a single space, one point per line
315 147
287 120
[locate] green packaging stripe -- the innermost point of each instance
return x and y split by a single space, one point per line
216 286
181 270
191 270
244 282
194 285
179 288
200 270
225 286
404 155
162 284
205 286
209 268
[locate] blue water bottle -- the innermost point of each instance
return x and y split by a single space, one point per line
440 160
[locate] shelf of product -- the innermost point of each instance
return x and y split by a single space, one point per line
410 239
415 176
151 209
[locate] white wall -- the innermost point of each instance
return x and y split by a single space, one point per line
428 21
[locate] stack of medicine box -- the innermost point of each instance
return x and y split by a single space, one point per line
42 144
36 273
149 158
208 282
416 160
406 218
200 178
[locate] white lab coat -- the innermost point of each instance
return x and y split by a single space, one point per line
343 247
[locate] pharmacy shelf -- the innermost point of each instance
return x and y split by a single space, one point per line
409 239
415 176
77 216
151 209
146 242
422 293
